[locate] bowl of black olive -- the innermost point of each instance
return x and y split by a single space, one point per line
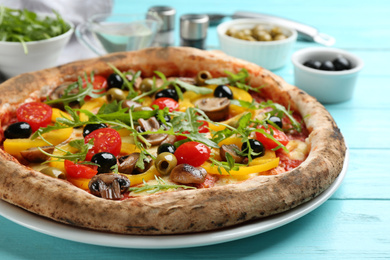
327 74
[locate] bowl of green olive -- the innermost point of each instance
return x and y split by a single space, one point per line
328 74
265 44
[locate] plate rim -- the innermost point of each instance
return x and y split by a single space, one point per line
50 227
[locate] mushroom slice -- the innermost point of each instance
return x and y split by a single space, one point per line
34 155
231 149
152 125
130 104
59 91
217 109
127 164
109 186
187 174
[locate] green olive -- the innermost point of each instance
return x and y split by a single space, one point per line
115 94
53 172
202 77
257 33
275 31
165 162
146 85
279 37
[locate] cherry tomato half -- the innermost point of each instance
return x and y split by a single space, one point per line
192 153
74 170
166 102
276 133
99 85
105 140
204 128
36 114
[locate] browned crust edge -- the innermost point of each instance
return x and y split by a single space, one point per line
181 211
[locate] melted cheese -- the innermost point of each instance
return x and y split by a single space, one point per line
298 150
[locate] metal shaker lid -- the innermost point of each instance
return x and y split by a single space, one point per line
166 14
194 26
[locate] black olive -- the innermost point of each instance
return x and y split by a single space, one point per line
92 127
167 120
327 65
314 64
258 149
166 148
341 63
223 91
114 81
105 160
276 120
18 130
168 93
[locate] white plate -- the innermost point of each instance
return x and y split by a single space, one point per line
55 229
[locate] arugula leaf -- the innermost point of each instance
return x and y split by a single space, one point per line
238 80
76 92
25 26
126 83
75 157
162 185
196 89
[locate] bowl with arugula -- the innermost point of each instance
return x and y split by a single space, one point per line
30 41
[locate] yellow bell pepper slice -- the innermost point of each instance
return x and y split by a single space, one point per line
242 95
140 178
15 146
123 132
58 113
80 182
231 140
185 104
127 148
267 164
92 105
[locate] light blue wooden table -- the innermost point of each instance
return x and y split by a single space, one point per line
355 222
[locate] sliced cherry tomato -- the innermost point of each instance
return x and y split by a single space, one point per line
166 102
99 84
74 170
36 114
105 140
204 128
192 153
276 133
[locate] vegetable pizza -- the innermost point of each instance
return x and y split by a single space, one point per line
162 141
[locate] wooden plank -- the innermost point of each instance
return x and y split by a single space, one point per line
339 229
367 176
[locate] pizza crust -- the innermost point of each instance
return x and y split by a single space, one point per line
179 211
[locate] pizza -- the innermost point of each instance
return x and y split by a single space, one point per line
162 141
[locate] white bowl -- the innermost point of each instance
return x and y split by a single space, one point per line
326 86
270 55
41 54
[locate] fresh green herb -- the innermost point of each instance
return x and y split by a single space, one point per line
76 92
238 80
25 26
196 89
189 122
229 165
74 157
162 185
280 111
